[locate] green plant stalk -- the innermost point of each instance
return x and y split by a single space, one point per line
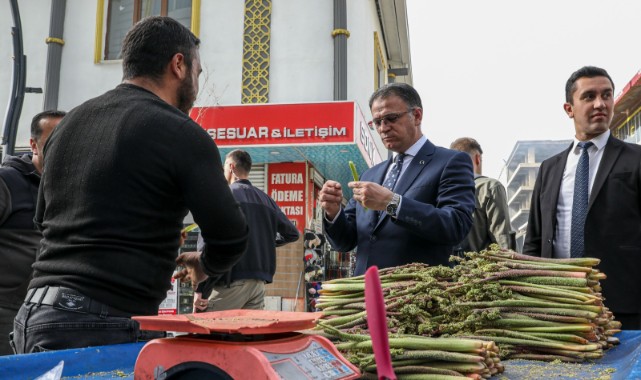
425 343
596 354
518 323
555 318
547 292
510 334
547 310
552 280
571 301
558 329
583 292
581 261
561 337
352 323
427 376
438 355
343 335
342 320
539 344
546 357
323 303
401 365
340 312
528 303
419 369
517 264
460 367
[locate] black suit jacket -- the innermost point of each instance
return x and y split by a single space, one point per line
612 226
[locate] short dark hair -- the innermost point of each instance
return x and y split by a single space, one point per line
584 72
150 45
36 130
467 145
242 160
402 90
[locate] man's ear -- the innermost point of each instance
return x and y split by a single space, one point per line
178 66
34 147
477 159
569 109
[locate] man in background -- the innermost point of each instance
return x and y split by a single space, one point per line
587 199
413 207
244 286
19 237
491 218
121 172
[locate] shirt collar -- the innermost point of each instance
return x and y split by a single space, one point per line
599 141
413 150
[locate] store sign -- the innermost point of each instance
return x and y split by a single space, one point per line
278 124
365 139
286 185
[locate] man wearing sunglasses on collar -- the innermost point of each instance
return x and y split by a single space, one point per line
411 208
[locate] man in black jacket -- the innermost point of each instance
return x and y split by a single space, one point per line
244 286
19 237
609 224
121 172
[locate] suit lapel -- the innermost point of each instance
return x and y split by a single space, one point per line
610 154
379 177
556 176
418 163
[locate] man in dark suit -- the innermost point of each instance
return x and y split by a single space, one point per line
413 207
612 225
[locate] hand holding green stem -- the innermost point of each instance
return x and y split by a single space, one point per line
354 174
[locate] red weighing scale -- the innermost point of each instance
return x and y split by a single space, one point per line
239 344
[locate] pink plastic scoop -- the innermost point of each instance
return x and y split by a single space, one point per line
377 324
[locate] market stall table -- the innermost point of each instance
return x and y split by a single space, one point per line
117 362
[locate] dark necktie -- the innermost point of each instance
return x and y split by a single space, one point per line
393 174
580 202
391 179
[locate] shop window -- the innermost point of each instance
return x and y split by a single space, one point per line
122 14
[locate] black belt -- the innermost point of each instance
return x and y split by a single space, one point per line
66 299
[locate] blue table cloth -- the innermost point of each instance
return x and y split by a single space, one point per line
117 362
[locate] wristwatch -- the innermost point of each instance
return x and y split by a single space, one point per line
392 206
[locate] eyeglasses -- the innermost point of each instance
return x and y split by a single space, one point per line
390 118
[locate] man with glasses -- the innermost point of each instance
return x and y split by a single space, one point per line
413 207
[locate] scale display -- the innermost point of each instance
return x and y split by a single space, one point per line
314 362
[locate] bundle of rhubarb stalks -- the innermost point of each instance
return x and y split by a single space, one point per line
420 357
531 307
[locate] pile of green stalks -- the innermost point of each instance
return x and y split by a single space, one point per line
531 307
420 357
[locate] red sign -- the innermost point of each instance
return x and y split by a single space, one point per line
286 185
278 124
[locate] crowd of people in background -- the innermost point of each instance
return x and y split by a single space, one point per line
90 221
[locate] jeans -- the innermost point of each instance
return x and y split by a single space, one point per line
6 326
39 328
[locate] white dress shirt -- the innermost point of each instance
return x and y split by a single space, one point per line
566 193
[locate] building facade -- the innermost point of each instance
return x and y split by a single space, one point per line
522 168
626 122
304 70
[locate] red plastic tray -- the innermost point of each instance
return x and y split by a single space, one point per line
246 322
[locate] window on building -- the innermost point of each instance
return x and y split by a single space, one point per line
122 14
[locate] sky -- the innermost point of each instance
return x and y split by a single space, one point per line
496 70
